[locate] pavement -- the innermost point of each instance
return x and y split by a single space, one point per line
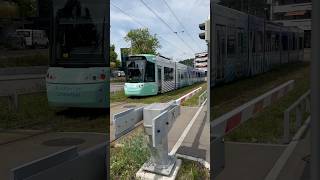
252 161
249 161
197 142
23 148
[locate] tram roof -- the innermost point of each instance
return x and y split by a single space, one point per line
149 57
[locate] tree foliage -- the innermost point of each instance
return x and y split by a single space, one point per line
27 8
142 41
113 54
188 62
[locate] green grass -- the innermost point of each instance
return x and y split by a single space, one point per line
267 126
194 100
30 60
191 170
34 113
125 161
161 98
228 97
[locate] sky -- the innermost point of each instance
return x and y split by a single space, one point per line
190 13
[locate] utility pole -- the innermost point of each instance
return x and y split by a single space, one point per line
315 92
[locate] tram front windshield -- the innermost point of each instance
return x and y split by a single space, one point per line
135 69
79 34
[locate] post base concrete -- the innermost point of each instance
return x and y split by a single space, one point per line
145 175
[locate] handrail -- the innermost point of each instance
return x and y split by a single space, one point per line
297 106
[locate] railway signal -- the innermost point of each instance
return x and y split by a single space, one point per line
206 28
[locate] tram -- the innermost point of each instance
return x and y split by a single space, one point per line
78 74
149 74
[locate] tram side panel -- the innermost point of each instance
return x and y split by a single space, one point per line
272 45
167 80
256 51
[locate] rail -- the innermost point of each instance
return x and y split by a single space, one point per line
202 97
299 107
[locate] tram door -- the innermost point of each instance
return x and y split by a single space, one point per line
159 79
220 53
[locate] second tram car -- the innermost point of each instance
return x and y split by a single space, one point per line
150 74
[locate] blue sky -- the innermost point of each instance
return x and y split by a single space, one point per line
190 13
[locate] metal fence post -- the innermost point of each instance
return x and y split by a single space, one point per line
13 102
286 127
298 116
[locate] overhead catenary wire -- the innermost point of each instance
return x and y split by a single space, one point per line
164 22
143 26
181 24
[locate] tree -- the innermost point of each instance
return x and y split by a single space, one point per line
27 8
142 41
113 54
188 62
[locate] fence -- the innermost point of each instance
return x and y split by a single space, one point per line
299 107
202 97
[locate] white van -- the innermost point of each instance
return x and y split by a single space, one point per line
34 38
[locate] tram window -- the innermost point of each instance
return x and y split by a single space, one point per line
300 43
277 45
259 41
240 42
150 72
285 42
294 42
268 42
231 49
168 74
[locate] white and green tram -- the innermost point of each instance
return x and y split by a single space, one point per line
78 75
149 74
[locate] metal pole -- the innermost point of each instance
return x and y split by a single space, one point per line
315 92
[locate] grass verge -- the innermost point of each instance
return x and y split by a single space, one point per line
35 113
31 60
267 126
191 170
228 97
194 100
161 98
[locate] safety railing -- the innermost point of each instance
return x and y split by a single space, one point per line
202 97
298 108
226 123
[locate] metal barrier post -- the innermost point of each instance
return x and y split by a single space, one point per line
286 127
158 119
13 102
298 116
